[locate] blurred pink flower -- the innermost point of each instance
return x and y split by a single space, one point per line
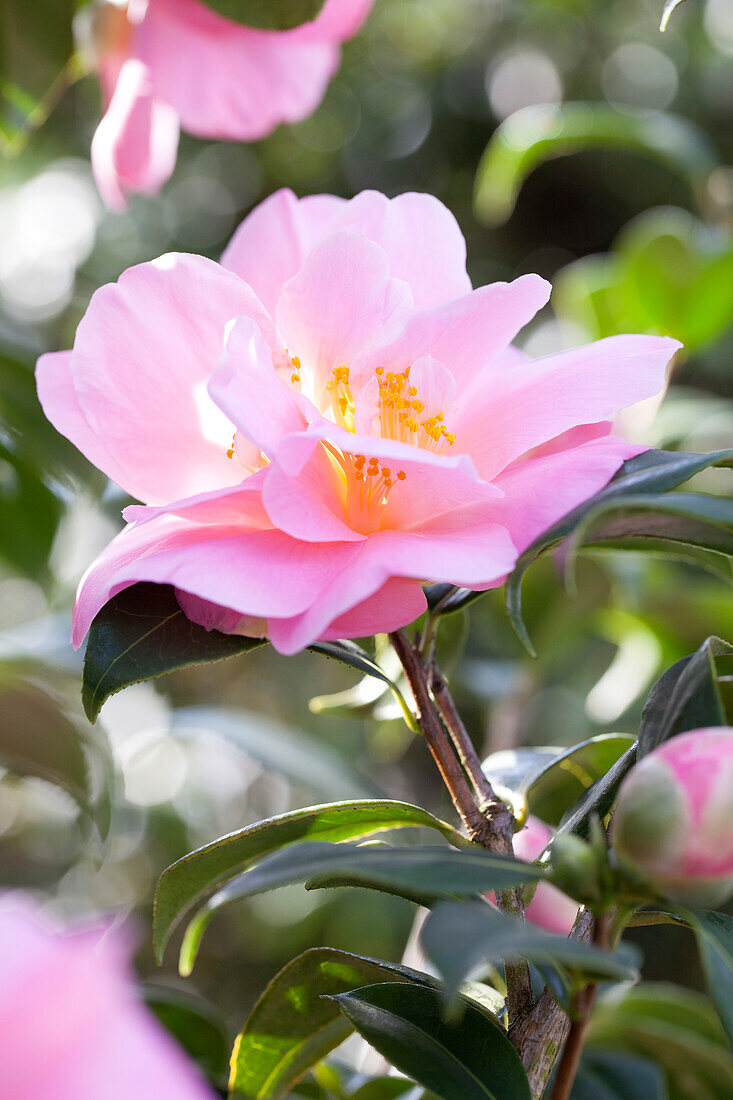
165 64
71 1022
549 908
330 419
673 820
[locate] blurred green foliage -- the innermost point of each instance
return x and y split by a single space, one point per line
632 243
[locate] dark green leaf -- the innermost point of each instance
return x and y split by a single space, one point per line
686 697
427 872
294 1025
195 1024
650 472
142 633
275 15
471 1060
552 790
600 798
540 133
608 1075
418 874
714 932
459 937
674 1027
188 881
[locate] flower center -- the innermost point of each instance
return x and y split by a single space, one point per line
365 485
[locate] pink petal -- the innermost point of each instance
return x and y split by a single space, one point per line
72 1025
397 603
248 389
272 243
338 303
249 80
308 507
135 145
541 490
142 358
421 237
465 334
465 556
258 573
501 419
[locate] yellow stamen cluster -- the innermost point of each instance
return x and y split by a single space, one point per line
400 410
295 376
341 397
230 452
382 476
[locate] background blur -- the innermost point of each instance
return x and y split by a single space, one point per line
634 228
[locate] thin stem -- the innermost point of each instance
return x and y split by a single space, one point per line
570 1060
487 823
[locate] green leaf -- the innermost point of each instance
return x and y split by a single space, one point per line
557 786
195 1024
675 524
536 134
673 1026
686 697
650 472
142 633
667 273
600 798
39 737
459 937
471 1060
189 880
418 874
294 1024
272 15
714 932
423 873
607 1075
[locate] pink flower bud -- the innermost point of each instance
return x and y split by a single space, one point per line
673 821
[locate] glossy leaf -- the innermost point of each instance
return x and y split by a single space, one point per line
675 1028
552 790
647 473
686 697
459 937
536 134
143 633
714 932
669 7
189 880
678 524
608 1075
294 1024
470 1060
274 15
418 873
598 801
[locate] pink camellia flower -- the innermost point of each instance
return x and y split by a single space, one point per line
673 821
165 64
549 907
72 1025
330 419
